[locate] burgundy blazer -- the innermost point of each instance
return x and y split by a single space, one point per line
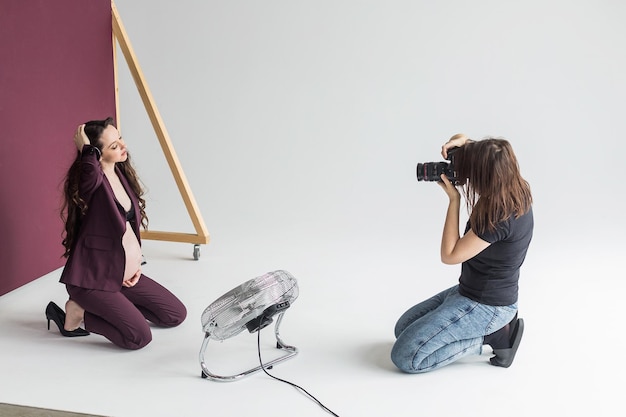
97 259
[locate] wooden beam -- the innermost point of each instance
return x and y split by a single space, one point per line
202 235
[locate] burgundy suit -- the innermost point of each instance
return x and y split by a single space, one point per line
97 258
94 271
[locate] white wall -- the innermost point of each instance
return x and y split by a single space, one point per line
307 118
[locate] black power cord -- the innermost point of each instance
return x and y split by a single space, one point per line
287 382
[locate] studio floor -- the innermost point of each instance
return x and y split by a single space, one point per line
351 293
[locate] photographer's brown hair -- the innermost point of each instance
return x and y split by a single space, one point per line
492 183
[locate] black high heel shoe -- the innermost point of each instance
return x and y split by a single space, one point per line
504 357
54 313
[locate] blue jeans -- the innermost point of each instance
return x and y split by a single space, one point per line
443 329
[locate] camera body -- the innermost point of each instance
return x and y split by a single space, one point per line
431 171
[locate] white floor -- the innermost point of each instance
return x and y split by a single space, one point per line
351 292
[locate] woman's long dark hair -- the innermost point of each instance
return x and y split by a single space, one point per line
74 207
493 186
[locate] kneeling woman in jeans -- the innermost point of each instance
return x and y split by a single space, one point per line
482 308
104 211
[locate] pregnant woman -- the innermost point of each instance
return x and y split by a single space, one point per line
103 211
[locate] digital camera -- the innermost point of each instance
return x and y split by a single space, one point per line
431 171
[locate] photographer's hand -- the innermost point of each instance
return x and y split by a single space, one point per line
455 141
80 138
454 248
449 188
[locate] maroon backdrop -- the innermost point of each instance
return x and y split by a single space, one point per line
56 71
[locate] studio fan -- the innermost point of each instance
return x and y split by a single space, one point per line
250 306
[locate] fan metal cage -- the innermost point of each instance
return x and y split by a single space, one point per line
250 305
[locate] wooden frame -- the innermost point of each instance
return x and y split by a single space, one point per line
201 236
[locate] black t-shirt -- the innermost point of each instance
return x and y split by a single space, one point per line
491 277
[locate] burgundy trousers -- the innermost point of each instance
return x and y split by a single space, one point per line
121 316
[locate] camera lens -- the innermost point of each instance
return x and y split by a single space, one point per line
430 171
420 172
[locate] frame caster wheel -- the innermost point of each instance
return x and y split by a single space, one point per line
196 252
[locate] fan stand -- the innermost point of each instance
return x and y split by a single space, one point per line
290 351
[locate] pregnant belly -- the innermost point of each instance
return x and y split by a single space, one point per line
133 252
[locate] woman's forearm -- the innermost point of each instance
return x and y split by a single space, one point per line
450 230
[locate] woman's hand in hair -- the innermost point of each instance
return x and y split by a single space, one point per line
455 141
80 138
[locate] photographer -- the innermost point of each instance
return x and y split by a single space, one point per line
482 308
